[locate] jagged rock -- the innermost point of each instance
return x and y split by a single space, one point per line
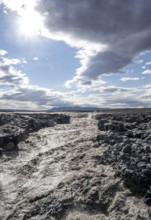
149 125
1 140
131 157
1 151
105 125
148 138
10 146
127 149
101 124
16 127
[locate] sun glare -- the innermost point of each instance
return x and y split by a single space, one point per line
30 24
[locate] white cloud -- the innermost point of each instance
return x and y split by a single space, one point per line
148 63
107 38
18 5
10 76
90 26
147 72
124 79
115 98
139 61
3 52
35 58
19 105
83 86
35 98
7 62
41 98
20 93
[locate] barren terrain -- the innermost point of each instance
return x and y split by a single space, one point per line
75 166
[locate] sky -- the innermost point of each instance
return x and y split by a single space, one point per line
65 53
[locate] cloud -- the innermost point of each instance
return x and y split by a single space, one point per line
139 61
93 85
124 79
12 77
121 27
109 34
17 89
99 64
18 6
146 71
7 62
35 58
17 105
9 75
148 63
130 98
36 98
40 98
3 52
114 97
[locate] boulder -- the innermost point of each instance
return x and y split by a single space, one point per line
127 149
114 126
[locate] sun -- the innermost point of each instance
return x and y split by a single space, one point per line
30 23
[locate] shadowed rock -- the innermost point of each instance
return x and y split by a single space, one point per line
129 150
16 127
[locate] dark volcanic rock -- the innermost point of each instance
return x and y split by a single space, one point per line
75 171
16 127
131 156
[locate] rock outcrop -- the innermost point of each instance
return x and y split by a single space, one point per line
129 149
15 128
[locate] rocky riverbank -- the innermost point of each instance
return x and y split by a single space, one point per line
97 167
15 128
128 137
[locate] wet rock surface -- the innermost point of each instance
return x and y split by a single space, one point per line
77 171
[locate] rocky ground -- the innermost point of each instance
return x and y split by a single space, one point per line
97 167
15 128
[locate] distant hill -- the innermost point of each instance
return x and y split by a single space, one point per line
16 110
58 109
76 108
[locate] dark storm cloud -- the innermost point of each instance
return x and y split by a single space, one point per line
124 26
106 62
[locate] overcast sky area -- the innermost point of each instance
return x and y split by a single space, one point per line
56 53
